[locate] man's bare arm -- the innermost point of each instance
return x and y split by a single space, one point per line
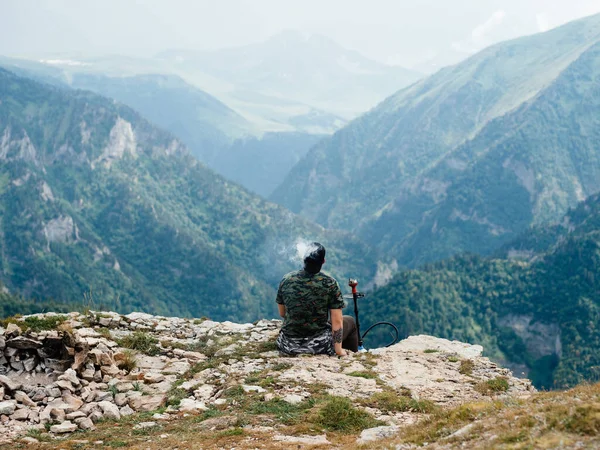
281 309
337 329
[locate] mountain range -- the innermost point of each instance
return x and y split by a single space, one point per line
468 158
308 68
100 206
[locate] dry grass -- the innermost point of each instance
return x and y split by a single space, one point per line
545 420
128 361
466 367
392 401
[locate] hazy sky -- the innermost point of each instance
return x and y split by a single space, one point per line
404 32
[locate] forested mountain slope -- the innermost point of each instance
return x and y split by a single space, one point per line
201 121
540 314
96 200
467 158
215 134
527 167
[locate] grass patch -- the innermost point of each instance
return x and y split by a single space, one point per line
391 401
176 394
368 374
140 341
280 367
210 413
443 422
37 434
581 419
493 386
267 346
466 367
129 361
339 414
286 413
35 324
431 350
234 393
232 432
453 358
104 332
200 320
113 390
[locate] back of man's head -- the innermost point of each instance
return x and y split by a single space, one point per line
314 258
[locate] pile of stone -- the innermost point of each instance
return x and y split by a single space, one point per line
71 377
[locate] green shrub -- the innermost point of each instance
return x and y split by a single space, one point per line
339 414
496 385
368 374
140 341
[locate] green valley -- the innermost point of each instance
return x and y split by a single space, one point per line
537 310
466 159
97 205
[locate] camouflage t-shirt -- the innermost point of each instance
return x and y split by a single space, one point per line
308 298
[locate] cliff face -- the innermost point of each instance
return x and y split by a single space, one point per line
78 371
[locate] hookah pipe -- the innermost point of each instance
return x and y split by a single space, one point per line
353 283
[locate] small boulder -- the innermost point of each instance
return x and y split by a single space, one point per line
21 414
65 427
23 398
377 433
126 411
8 407
23 343
152 378
188 405
147 402
9 383
85 423
109 410
293 399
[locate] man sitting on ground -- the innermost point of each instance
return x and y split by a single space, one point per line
307 300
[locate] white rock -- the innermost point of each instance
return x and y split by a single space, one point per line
65 427
9 383
320 439
21 414
293 399
7 407
22 397
143 425
110 410
85 423
248 388
126 411
188 404
377 433
152 378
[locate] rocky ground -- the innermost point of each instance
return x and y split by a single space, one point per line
67 379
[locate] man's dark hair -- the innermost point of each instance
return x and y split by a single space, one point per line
314 260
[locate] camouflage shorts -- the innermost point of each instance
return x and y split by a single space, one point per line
321 344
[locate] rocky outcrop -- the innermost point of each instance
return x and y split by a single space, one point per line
61 229
70 377
122 140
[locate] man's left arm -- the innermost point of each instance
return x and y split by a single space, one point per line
336 304
281 310
280 301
